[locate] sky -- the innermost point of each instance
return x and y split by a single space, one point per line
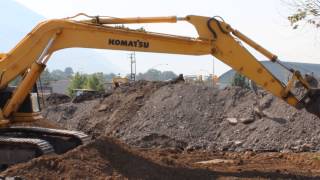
263 21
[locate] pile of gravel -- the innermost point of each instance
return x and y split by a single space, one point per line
189 117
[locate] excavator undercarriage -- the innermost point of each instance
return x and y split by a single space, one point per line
22 143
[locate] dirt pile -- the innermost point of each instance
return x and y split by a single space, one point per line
100 159
101 115
108 159
55 99
191 117
91 95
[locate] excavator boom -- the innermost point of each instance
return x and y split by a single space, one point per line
215 37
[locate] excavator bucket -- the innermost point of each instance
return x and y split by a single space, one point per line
311 101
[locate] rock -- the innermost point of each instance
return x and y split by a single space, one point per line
247 120
103 107
237 143
193 147
303 147
258 112
306 147
232 121
226 146
249 154
298 142
52 163
266 101
252 128
217 161
286 151
295 148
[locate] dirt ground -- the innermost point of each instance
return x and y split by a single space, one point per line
109 159
157 130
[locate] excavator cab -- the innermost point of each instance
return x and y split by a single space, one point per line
29 110
22 143
118 80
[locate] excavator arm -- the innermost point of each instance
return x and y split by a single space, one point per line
215 37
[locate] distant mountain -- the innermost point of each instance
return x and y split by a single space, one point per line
17 21
277 70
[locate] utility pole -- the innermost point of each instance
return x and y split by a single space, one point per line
133 64
213 80
213 66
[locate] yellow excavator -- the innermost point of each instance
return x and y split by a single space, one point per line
118 80
29 57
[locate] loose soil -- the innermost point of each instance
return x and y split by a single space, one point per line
106 158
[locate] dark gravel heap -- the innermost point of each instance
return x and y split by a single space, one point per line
189 117
55 98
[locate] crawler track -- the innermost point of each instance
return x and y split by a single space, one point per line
20 144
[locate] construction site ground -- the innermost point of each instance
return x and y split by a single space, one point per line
163 130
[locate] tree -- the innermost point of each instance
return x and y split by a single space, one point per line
45 77
152 75
108 77
305 11
95 82
166 75
58 75
78 81
240 80
68 71
156 75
